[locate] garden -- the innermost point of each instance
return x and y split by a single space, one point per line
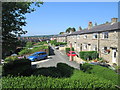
55 43
63 76
30 48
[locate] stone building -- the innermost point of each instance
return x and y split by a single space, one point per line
62 38
104 38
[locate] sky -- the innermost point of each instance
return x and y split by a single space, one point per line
55 17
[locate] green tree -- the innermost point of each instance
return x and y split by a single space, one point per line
68 30
61 33
29 44
13 19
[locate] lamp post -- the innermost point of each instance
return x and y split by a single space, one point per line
71 57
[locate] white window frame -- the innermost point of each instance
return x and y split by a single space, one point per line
95 48
85 46
105 35
78 36
85 36
94 35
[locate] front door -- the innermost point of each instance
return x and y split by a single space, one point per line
114 56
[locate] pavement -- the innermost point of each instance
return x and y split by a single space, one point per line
55 57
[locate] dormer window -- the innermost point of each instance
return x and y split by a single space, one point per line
105 35
95 36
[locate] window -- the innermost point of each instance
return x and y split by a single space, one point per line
114 54
85 36
85 46
95 36
105 35
106 50
78 36
95 47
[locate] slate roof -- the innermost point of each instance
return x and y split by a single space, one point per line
99 28
96 29
63 35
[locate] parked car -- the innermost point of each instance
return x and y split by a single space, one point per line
37 56
14 54
62 45
71 53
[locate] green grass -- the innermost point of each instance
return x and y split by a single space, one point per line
0 70
63 76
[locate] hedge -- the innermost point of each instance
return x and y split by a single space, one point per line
48 82
17 67
88 55
68 49
77 79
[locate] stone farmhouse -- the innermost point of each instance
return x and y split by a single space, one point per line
104 38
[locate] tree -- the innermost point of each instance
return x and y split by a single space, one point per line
70 29
13 19
61 33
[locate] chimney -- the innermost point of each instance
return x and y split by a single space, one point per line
95 24
114 20
90 25
80 28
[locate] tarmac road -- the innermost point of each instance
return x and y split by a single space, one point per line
55 57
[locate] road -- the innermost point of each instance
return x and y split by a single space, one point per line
55 57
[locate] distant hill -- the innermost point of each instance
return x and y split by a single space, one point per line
41 36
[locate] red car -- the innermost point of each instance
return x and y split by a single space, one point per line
71 53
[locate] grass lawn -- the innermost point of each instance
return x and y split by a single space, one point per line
0 70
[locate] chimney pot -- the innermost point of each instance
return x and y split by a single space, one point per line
114 20
90 25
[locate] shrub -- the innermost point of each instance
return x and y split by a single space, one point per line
77 79
88 55
16 67
68 49
86 67
25 51
29 44
35 49
83 81
65 70
10 58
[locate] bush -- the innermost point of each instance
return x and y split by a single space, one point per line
68 49
86 67
10 58
17 67
29 44
83 81
25 51
65 70
88 55
77 79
